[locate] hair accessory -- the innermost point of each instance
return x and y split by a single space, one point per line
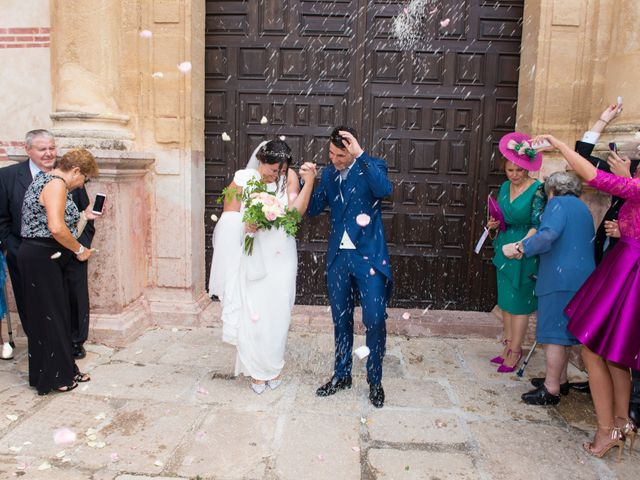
523 148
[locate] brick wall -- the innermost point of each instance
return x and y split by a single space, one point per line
25 37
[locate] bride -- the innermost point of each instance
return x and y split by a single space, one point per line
257 291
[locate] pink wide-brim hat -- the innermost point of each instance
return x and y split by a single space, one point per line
523 161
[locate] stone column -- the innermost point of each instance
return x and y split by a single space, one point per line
85 48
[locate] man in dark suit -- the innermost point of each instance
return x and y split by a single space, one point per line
358 265
14 181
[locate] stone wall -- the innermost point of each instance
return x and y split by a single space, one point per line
25 80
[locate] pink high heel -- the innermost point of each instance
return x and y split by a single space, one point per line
504 369
499 360
630 430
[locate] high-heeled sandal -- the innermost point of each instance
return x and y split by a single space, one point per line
617 440
499 359
629 430
504 369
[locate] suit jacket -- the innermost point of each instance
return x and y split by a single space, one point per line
364 188
14 181
564 242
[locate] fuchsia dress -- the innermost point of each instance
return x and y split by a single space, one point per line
605 313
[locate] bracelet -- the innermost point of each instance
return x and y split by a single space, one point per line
80 251
605 122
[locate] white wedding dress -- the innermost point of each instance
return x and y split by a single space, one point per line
257 291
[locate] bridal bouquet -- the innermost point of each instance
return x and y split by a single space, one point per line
264 210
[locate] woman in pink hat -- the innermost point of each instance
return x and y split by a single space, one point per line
521 200
605 313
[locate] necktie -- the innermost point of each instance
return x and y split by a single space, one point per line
343 179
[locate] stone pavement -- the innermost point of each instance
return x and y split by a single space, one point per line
166 407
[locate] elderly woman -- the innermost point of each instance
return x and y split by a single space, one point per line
521 201
49 232
564 243
605 313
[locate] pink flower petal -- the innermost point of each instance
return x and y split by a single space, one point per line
114 457
363 219
63 436
255 317
445 23
406 315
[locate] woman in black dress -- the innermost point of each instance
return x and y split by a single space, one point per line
49 230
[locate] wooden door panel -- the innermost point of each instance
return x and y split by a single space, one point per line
434 113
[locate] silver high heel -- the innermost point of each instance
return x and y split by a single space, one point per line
258 388
275 383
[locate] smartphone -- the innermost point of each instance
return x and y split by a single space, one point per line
98 203
613 147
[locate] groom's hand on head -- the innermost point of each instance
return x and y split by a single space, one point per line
353 147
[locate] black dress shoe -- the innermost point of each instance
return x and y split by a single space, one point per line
564 387
376 395
582 387
333 386
540 396
79 352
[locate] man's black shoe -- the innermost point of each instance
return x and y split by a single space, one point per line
540 396
79 352
564 387
582 387
376 395
333 386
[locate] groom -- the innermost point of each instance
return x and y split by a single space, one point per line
353 187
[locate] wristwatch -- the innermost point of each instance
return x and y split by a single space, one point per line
81 251
518 247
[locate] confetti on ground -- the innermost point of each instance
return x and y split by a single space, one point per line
158 463
101 416
321 457
406 315
185 67
202 391
363 219
56 255
61 454
12 418
44 466
146 33
15 449
63 436
226 137
114 457
355 449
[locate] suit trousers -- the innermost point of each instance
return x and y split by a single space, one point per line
16 283
78 287
349 277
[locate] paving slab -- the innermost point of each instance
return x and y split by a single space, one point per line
317 446
421 465
404 426
228 445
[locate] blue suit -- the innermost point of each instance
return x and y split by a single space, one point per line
364 272
564 242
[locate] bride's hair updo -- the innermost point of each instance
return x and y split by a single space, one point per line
276 152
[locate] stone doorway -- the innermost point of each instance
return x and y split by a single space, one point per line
434 111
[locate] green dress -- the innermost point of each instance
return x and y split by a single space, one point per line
515 287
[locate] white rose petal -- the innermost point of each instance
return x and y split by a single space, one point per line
226 137
158 463
214 217
445 23
362 352
406 315
61 454
12 418
363 219
264 120
63 436
282 137
44 466
90 431
185 67
56 255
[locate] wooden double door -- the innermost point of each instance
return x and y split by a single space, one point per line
434 111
